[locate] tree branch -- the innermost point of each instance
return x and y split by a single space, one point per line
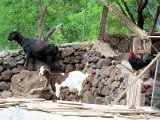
128 11
154 21
121 8
50 32
140 7
138 4
144 4
40 3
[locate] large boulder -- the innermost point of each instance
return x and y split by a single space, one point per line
25 81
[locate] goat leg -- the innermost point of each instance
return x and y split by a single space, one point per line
80 98
33 63
26 61
54 98
46 84
52 91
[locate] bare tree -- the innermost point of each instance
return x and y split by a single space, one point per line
41 35
50 32
119 4
141 4
41 21
128 11
154 20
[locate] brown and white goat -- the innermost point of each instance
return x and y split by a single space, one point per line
72 80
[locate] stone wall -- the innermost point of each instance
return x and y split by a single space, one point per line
16 81
105 83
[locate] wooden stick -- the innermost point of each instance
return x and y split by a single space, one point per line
69 102
130 85
87 114
133 27
154 36
21 100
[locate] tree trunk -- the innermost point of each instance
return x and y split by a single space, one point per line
140 8
40 3
103 23
41 21
154 21
127 21
140 19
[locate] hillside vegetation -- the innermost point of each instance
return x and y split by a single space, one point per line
25 14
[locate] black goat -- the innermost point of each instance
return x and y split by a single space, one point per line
35 49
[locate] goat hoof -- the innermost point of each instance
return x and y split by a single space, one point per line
33 69
54 100
25 67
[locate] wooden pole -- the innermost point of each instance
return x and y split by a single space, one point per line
103 23
84 25
130 85
133 27
154 84
134 93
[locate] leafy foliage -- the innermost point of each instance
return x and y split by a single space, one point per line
24 15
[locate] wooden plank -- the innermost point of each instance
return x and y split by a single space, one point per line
88 114
68 102
100 109
134 93
21 100
86 110
154 36
137 96
6 105
137 45
133 27
141 51
144 70
93 110
142 99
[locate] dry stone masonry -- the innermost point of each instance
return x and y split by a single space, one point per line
105 83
